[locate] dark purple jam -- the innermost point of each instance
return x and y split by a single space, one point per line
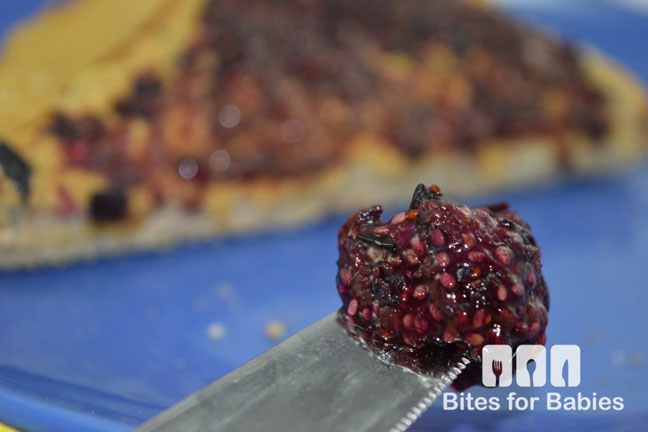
441 274
108 206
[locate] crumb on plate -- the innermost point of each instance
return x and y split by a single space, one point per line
216 331
275 329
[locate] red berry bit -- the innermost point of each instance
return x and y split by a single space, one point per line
447 280
345 276
443 259
501 292
420 292
476 256
408 321
440 276
503 255
353 307
436 237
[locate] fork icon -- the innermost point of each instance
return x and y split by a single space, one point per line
497 371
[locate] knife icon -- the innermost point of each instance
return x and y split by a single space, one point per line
319 380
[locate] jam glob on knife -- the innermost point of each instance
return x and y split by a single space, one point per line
440 275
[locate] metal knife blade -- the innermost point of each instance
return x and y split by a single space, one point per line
319 379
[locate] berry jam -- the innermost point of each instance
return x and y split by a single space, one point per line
441 274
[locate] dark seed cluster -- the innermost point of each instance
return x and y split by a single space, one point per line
441 273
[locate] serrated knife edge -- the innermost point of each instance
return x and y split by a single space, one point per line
435 391
319 378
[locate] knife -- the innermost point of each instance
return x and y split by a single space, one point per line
320 379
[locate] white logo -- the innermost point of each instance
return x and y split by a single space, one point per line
529 366
497 365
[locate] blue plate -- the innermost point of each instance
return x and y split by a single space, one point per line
107 345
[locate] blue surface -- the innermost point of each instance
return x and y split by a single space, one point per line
106 345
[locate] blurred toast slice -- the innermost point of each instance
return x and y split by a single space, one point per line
129 125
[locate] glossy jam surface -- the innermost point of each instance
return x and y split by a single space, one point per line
441 273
